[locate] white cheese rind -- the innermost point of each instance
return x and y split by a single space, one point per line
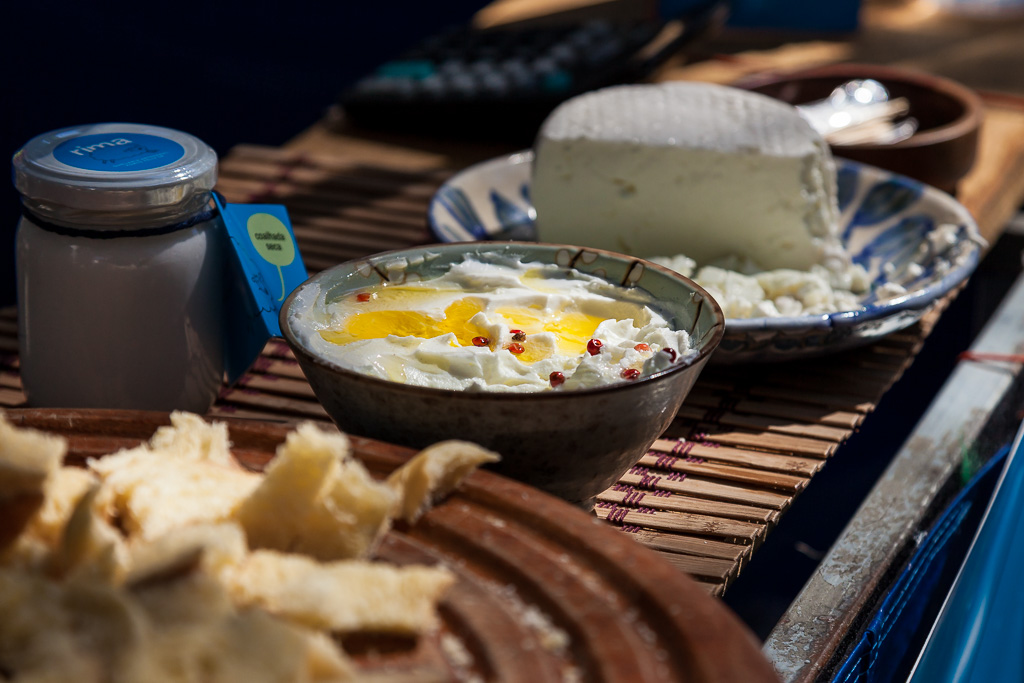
694 168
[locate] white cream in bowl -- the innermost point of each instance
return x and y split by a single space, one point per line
508 326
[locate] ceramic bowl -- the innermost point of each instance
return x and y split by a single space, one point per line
573 444
945 145
902 231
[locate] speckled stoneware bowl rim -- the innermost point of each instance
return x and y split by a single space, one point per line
914 300
711 339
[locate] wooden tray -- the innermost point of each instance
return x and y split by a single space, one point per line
630 615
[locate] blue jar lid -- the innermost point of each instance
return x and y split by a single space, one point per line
114 167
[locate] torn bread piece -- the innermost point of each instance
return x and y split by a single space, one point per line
27 460
140 568
108 623
190 437
183 629
214 549
73 631
32 550
200 635
36 637
90 546
150 495
433 473
16 511
64 488
344 596
316 500
184 475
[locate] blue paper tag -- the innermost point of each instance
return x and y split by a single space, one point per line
267 267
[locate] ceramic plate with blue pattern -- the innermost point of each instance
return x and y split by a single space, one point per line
899 229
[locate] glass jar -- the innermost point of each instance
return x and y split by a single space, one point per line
120 266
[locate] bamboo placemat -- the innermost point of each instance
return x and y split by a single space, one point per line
745 443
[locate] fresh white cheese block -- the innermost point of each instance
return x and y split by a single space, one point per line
687 168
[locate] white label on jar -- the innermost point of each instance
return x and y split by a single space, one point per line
118 152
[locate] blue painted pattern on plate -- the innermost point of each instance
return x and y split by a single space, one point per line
460 207
507 212
846 186
883 201
897 228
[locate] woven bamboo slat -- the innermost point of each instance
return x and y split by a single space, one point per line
747 475
746 442
714 452
624 494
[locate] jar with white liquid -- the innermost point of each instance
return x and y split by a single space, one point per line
120 267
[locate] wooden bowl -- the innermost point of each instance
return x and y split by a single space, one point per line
939 154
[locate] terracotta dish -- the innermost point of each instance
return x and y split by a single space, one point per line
942 150
631 617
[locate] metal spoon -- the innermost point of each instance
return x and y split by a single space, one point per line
863 111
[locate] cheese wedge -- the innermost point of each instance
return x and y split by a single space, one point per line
698 169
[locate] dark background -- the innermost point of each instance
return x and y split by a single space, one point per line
230 72
227 72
